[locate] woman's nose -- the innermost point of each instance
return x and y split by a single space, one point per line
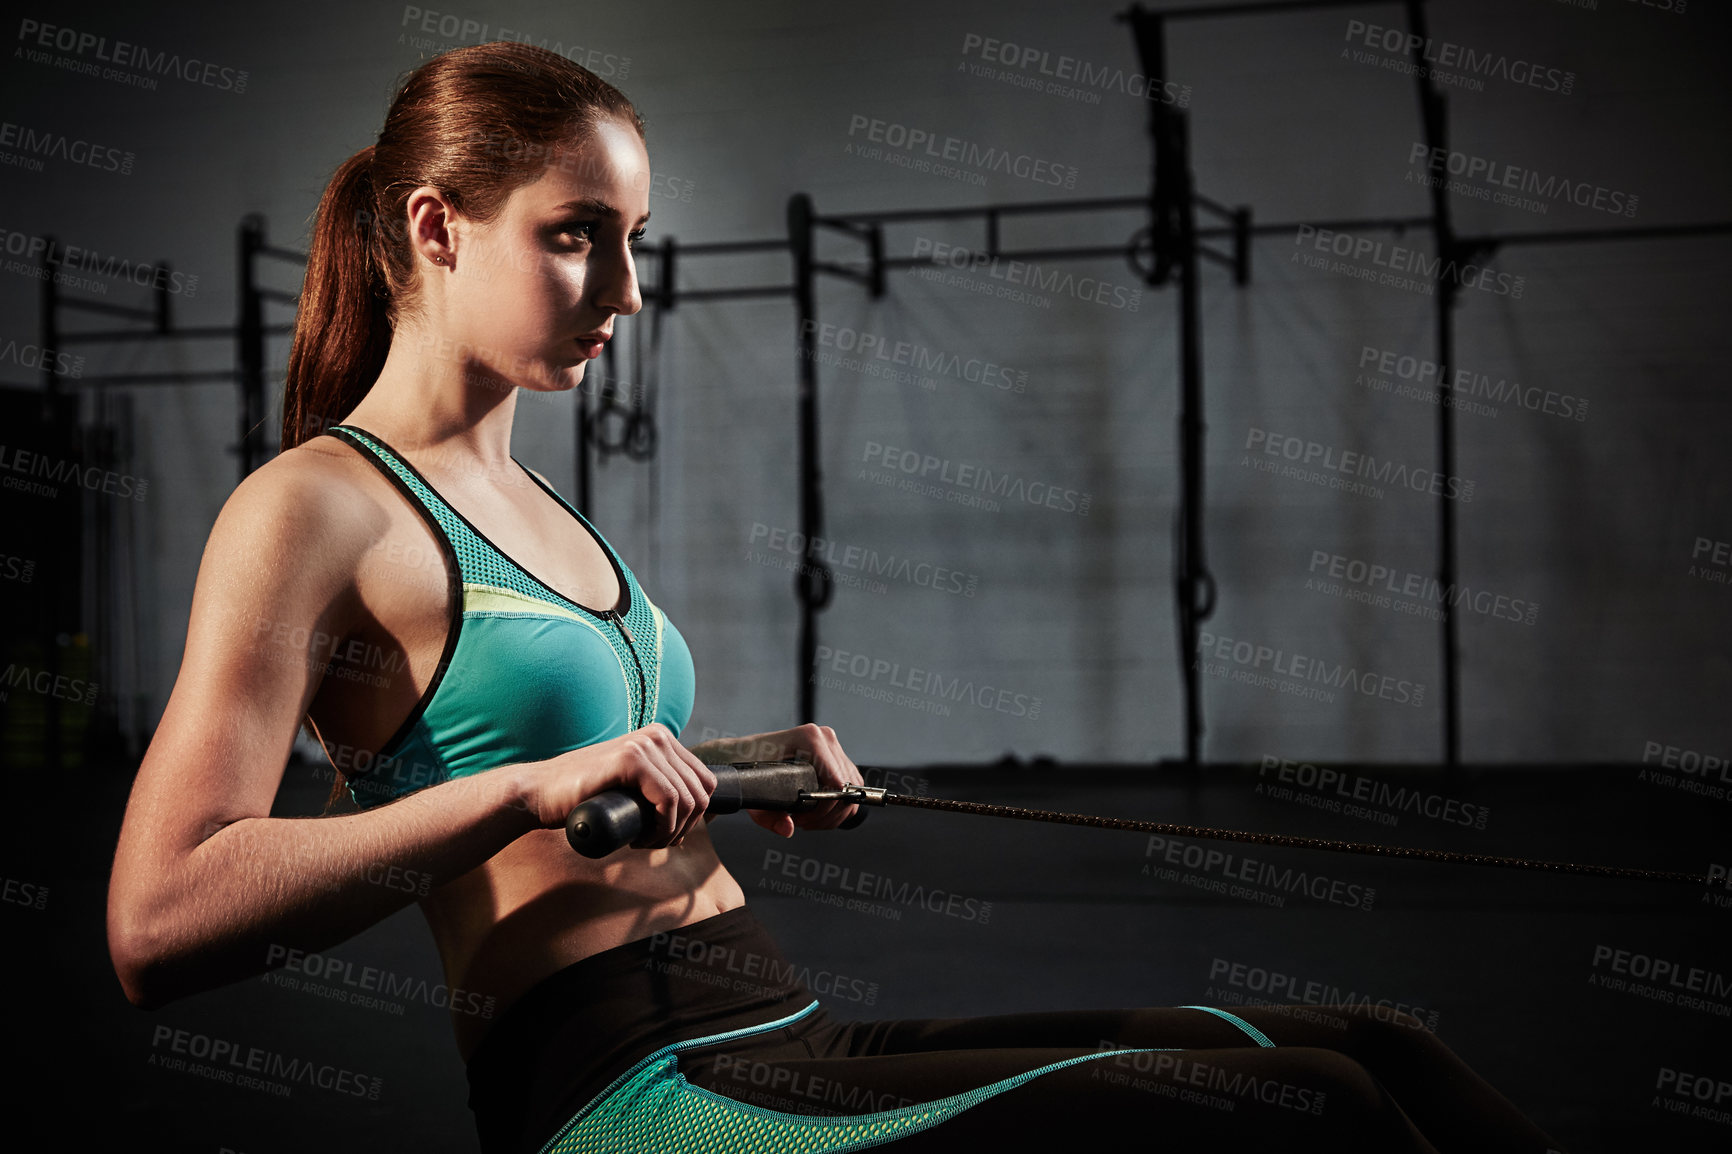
616 288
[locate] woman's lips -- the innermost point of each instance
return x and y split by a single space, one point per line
591 349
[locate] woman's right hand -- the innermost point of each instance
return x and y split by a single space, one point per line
650 760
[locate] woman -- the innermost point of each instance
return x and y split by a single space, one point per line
476 660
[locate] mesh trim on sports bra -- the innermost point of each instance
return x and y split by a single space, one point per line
483 569
453 592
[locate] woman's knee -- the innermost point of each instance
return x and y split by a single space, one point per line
1388 1041
1349 1108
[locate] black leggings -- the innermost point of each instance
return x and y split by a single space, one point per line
1336 1078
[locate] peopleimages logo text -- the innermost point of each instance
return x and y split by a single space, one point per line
1401 259
1355 464
84 259
1303 668
989 158
1446 54
124 54
1472 384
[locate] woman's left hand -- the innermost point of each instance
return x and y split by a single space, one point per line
835 769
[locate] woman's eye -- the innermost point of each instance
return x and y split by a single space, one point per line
584 232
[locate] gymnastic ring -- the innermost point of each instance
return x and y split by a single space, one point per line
603 440
1205 582
814 585
640 435
1140 241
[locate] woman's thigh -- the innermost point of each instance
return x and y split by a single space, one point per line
1326 1071
1168 1027
1220 1100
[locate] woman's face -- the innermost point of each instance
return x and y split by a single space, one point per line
554 267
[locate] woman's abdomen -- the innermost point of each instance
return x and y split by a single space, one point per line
538 906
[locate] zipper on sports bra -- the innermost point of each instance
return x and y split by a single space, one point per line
642 690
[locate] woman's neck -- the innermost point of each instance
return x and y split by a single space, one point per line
431 397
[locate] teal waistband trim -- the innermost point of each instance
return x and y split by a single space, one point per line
665 1051
1257 1035
653 1107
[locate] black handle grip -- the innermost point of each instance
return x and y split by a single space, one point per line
602 824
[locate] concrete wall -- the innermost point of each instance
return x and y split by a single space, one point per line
1592 521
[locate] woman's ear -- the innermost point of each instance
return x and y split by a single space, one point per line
433 226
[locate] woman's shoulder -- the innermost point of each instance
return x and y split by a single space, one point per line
315 503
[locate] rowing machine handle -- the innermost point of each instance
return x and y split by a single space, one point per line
602 824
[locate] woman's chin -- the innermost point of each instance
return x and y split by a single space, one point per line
560 377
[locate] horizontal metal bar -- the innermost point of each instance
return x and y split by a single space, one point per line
1258 8
850 227
720 246
1220 257
205 332
1394 223
1213 206
1560 236
1088 205
281 253
105 309
862 275
726 294
1117 250
208 376
1571 236
1174 772
209 332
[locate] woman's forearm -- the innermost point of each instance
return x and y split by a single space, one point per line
258 886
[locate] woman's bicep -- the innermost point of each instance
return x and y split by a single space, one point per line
266 610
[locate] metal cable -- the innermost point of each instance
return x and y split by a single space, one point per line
1011 811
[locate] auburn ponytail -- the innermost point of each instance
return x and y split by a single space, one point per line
343 326
475 123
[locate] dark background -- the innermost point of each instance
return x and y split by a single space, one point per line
1597 522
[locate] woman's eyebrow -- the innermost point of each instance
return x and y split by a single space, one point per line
598 207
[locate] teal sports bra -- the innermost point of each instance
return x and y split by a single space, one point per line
526 673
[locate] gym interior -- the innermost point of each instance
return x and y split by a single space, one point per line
1296 418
